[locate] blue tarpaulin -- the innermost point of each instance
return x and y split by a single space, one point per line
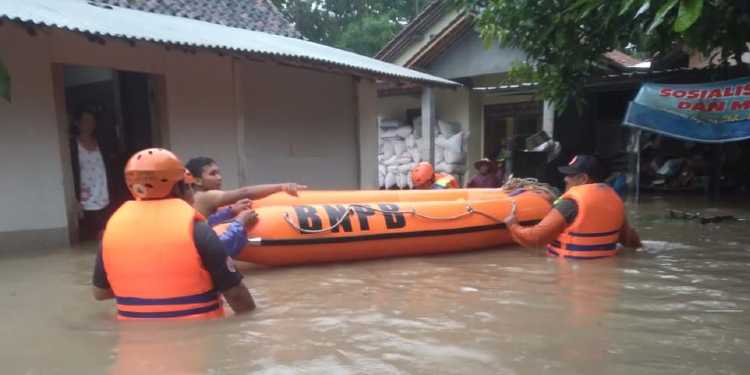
713 112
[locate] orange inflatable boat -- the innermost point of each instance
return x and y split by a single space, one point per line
333 231
369 196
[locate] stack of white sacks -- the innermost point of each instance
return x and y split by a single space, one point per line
401 148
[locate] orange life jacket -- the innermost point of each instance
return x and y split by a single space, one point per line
596 228
444 181
152 264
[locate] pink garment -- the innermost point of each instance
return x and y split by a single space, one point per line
487 181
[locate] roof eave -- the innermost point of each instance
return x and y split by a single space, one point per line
306 62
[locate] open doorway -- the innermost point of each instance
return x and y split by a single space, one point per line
506 126
109 118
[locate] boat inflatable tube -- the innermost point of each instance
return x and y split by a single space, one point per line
374 196
335 232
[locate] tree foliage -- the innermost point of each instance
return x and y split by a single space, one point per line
362 26
564 39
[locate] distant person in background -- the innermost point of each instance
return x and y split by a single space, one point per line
499 157
616 167
90 175
487 177
424 177
500 172
618 182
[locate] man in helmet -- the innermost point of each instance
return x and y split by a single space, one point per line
159 259
424 177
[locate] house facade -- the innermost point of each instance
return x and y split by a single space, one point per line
268 108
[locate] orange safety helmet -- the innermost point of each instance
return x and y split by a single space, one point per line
422 175
152 173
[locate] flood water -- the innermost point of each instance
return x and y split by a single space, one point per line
680 306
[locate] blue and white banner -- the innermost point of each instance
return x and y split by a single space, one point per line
714 112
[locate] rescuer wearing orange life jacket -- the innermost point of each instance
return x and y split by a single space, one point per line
587 222
423 176
159 259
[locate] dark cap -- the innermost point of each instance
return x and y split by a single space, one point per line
581 164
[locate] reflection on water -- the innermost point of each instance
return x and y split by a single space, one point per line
678 307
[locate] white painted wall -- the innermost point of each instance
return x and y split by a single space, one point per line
367 99
464 106
469 56
394 107
301 127
200 106
32 189
476 127
451 105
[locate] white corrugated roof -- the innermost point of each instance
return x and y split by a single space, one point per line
108 21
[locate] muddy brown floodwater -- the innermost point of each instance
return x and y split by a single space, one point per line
680 306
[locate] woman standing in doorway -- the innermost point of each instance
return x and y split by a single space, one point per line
90 174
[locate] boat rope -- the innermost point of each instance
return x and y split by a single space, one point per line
515 183
288 219
352 209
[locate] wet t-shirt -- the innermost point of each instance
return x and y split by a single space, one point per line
568 208
94 189
484 181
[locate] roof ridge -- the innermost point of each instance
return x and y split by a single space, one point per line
435 6
257 15
284 17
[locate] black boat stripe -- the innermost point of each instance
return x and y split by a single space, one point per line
387 236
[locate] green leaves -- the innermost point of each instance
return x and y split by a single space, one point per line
689 12
565 39
4 82
659 18
362 26
643 9
626 6
367 34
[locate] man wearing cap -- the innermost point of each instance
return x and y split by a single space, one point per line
587 222
487 177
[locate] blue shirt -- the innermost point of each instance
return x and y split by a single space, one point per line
235 237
